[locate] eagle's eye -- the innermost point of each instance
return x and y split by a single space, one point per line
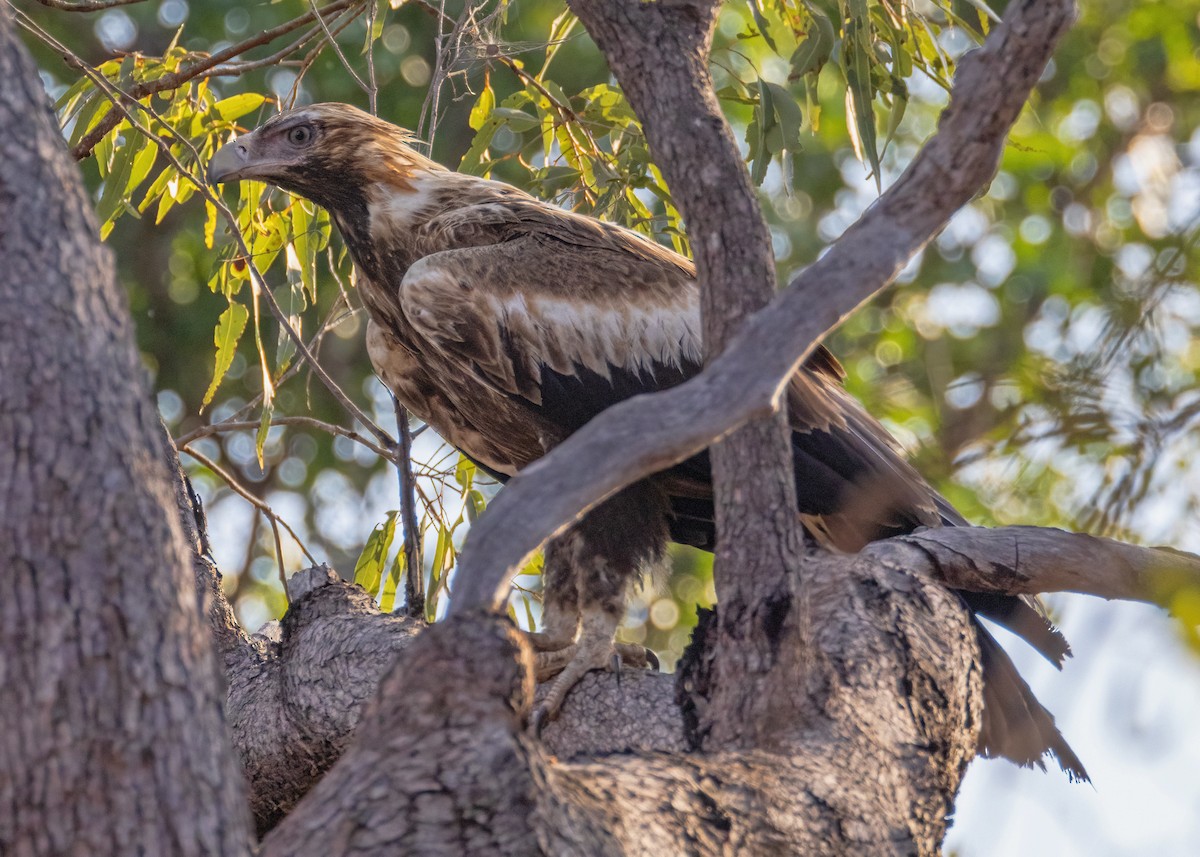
299 135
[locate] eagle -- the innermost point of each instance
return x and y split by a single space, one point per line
506 323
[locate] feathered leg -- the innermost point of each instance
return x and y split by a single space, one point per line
555 645
560 603
612 545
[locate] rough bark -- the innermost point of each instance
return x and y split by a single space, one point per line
112 739
295 701
882 724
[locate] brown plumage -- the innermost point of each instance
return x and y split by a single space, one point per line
507 323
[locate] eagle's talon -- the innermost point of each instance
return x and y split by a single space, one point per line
548 664
539 720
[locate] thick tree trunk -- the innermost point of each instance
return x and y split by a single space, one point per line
112 739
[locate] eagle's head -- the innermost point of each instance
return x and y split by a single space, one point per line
329 153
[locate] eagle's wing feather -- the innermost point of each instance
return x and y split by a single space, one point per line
569 329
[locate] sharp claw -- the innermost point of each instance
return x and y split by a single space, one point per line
540 719
615 666
652 660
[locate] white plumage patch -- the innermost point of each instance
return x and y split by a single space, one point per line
564 332
508 335
393 209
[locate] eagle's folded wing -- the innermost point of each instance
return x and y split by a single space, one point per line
568 329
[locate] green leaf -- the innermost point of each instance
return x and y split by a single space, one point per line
210 223
376 29
230 327
788 112
472 160
368 570
142 164
761 23
306 242
764 120
816 49
482 111
166 202
988 14
518 120
475 505
387 598
113 192
291 299
443 551
464 472
65 101
93 111
856 59
237 106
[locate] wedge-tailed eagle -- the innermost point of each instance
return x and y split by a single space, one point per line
506 323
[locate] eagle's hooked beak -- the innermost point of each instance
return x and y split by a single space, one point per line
230 161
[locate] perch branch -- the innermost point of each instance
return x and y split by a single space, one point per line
1031 560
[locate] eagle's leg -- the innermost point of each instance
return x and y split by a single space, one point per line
554 646
560 602
612 545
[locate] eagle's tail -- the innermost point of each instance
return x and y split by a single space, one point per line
1015 725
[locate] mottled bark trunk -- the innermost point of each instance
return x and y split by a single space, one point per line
111 733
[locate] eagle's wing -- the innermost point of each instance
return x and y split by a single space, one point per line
568 324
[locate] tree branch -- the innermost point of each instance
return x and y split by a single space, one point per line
86 5
441 763
1031 560
295 702
640 437
659 53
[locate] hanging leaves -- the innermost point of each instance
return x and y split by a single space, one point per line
230 327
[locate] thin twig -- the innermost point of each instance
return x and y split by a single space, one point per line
307 422
372 82
337 49
238 68
262 506
413 580
87 5
341 22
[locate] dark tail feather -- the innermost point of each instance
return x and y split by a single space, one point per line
1015 725
1025 618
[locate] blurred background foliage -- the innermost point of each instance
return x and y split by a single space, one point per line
1040 360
